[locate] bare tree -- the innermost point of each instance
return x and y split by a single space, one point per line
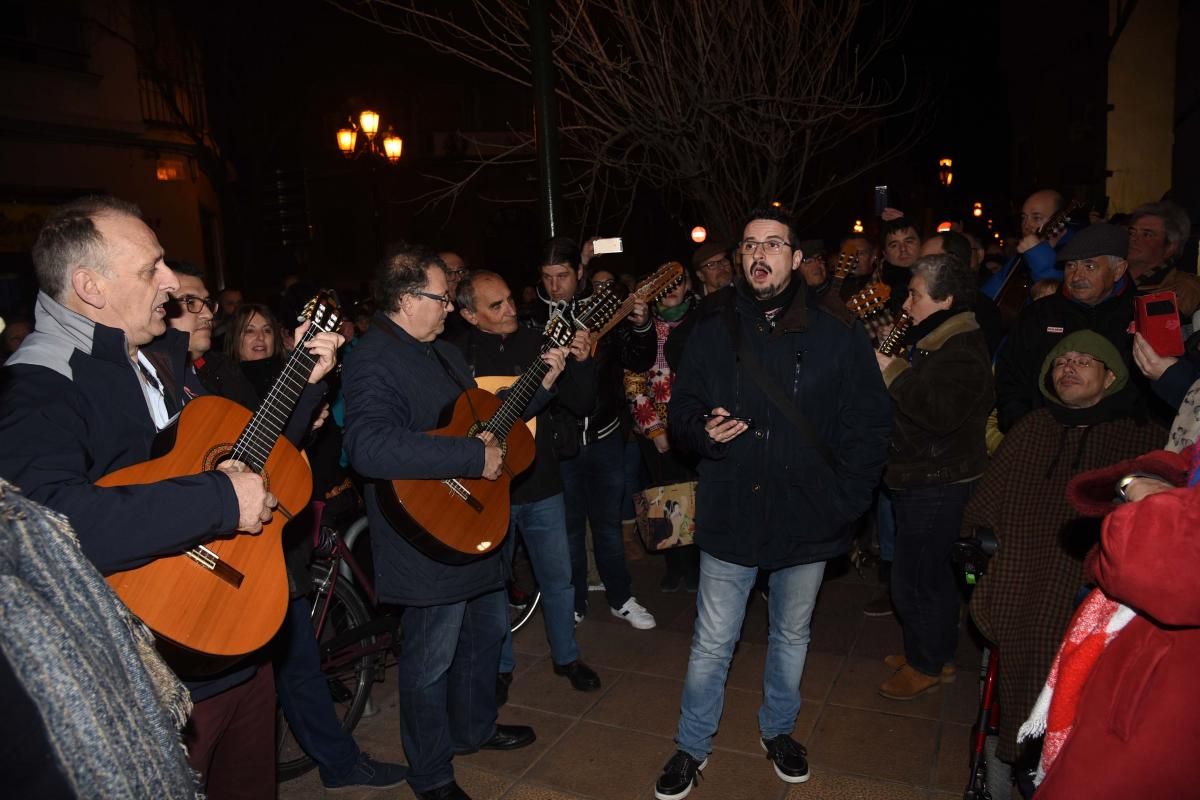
722 105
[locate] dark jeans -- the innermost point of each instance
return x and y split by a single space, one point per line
304 696
448 658
593 483
924 587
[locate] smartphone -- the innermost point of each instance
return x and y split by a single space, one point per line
604 246
881 200
1157 320
725 418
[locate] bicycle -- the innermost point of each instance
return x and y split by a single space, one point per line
355 633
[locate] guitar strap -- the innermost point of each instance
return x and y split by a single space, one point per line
754 368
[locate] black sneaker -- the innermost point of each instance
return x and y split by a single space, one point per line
371 774
788 756
680 774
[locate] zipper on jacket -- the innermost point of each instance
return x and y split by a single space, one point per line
796 375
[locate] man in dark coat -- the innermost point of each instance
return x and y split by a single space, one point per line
398 382
1096 295
86 395
786 409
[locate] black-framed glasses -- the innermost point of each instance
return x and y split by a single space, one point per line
195 304
715 263
444 299
457 273
771 247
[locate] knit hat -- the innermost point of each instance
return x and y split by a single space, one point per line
1090 343
708 251
1100 239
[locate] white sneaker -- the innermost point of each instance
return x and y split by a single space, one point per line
598 586
636 615
579 617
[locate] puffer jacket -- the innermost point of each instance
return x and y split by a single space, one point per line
942 399
768 498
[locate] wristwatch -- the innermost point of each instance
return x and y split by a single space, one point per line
1123 484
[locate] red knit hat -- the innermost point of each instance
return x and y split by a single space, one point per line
1093 492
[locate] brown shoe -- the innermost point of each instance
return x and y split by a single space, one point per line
908 684
949 671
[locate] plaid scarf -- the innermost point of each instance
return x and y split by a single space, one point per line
1096 623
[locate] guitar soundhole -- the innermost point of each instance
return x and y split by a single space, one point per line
477 427
218 454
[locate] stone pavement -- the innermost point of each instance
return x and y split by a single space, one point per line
611 744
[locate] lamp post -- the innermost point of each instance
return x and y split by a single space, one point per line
390 147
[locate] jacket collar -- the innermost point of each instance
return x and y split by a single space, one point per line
792 319
959 323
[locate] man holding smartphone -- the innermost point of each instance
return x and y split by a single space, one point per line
770 388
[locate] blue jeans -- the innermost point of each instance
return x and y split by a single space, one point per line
593 483
448 657
720 609
543 527
304 696
924 585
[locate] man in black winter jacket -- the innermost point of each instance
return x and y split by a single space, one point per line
1096 295
784 404
398 382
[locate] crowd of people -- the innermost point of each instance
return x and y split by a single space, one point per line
887 396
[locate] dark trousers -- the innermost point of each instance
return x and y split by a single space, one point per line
593 484
231 740
924 587
448 659
304 696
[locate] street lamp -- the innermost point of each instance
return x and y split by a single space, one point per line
368 123
945 171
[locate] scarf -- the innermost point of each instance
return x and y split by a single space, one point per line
111 707
1096 623
673 313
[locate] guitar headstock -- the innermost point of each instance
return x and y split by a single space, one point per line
1059 220
870 301
664 279
322 310
844 266
560 331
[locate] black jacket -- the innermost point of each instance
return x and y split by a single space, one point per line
492 354
768 498
942 399
397 388
72 411
1041 326
623 348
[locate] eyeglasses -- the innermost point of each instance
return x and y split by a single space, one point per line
194 304
604 284
456 273
1079 362
771 247
715 263
444 299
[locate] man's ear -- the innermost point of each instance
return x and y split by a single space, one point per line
86 287
1109 378
1119 269
797 259
469 316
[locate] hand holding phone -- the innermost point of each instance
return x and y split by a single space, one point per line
749 423
722 427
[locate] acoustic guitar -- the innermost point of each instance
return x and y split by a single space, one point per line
458 520
871 306
227 597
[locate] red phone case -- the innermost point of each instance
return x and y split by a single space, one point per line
1158 322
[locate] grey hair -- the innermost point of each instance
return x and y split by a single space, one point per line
69 238
464 297
1175 220
946 276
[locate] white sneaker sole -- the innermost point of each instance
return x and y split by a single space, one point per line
784 776
641 626
678 796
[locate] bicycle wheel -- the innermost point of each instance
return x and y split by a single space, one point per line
350 663
524 596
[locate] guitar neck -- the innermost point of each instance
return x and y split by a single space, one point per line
623 311
254 445
517 400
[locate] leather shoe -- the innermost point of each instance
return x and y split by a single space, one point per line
908 684
451 791
581 676
510 737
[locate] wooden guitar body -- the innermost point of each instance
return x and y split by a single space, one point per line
234 602
458 520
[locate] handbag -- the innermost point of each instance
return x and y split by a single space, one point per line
666 515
